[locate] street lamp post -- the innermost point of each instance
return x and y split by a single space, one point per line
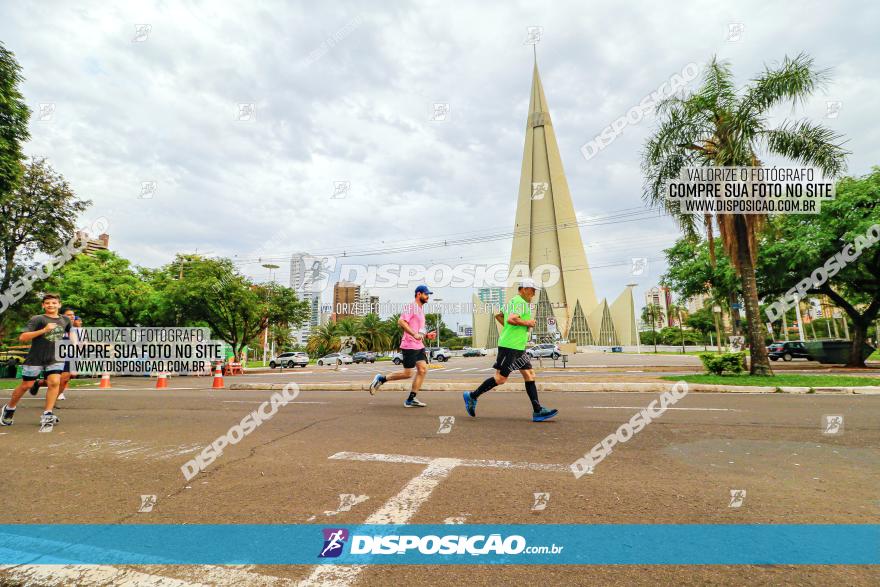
271 267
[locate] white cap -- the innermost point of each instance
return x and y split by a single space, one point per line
528 283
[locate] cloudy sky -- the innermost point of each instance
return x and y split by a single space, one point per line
151 92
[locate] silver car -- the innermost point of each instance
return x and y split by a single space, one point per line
545 350
290 360
335 359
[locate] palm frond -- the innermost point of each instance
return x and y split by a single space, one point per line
808 143
793 80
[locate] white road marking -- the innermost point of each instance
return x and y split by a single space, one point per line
402 507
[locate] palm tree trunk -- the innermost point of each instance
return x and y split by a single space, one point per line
681 331
759 363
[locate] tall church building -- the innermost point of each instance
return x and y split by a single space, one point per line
546 232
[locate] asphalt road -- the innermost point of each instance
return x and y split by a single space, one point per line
113 446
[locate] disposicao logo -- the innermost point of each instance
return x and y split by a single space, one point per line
334 541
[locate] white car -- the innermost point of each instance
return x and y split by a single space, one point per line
335 359
545 350
290 360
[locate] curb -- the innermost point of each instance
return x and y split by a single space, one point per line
578 387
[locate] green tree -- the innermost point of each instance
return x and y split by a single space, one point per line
373 334
323 340
38 217
212 292
719 126
651 313
797 245
351 328
676 311
702 321
14 115
103 288
392 331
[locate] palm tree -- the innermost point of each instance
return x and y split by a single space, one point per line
323 340
652 313
676 310
351 328
718 126
392 331
373 334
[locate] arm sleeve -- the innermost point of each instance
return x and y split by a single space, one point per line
33 324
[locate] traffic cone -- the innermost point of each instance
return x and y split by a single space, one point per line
162 381
218 378
105 381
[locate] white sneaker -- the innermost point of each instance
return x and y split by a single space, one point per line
61 396
414 403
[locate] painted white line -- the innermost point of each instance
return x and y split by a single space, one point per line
412 460
641 407
402 507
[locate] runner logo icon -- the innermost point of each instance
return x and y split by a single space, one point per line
334 541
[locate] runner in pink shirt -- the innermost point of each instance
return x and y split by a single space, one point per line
412 347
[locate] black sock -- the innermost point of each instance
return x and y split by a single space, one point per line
532 390
412 396
484 387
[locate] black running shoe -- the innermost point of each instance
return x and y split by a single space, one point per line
35 387
6 419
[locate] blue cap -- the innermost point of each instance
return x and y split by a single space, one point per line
424 289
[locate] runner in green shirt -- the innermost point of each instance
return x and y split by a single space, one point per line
516 320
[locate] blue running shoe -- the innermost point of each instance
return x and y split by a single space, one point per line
544 414
470 404
376 383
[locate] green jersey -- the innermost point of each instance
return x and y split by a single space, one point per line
515 337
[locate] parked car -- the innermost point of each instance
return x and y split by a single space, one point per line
335 359
397 358
545 350
290 360
364 357
441 354
469 352
787 351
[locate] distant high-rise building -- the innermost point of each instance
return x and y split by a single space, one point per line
660 296
347 299
305 291
465 330
491 295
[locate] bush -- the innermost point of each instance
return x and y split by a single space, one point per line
725 362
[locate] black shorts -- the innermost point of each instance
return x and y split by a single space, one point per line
413 356
66 368
509 360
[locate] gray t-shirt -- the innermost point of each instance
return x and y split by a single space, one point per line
42 352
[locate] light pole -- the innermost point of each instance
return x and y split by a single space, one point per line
271 267
716 312
437 300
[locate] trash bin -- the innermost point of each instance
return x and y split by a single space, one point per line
617 349
834 352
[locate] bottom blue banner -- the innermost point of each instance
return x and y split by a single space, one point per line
602 544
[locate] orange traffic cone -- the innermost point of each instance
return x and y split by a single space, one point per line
105 381
218 378
162 381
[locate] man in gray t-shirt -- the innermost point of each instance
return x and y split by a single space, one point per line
42 331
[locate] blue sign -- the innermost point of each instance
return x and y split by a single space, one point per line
600 544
